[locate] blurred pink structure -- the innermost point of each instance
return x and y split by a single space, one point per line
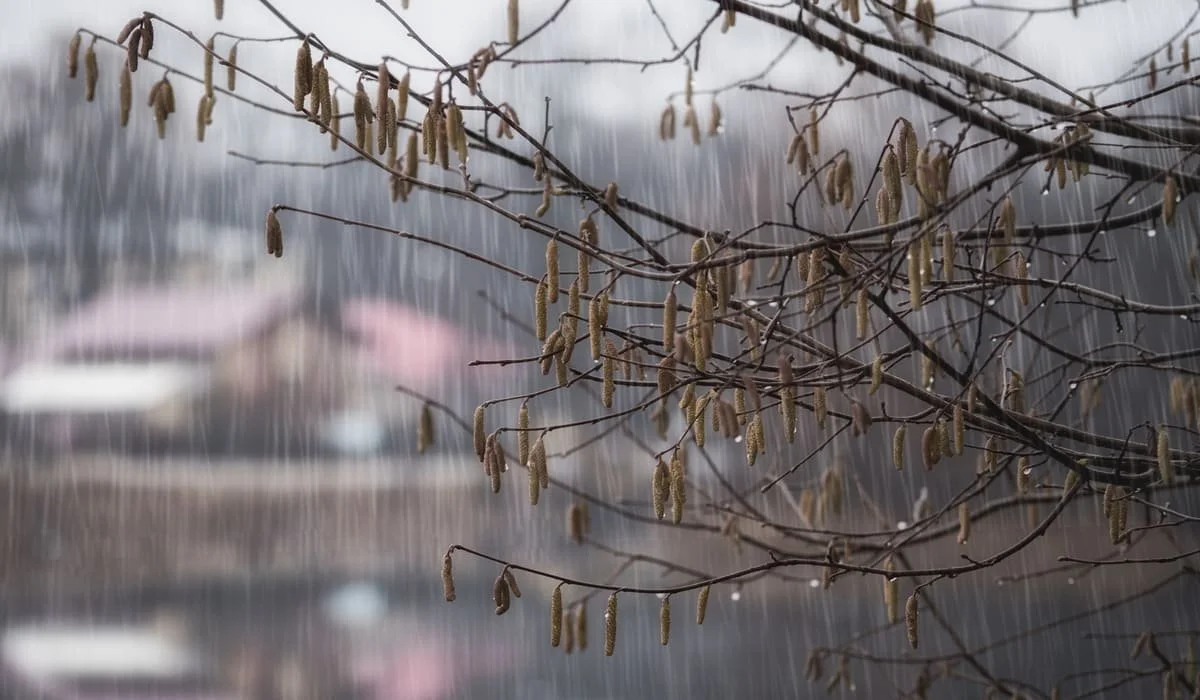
420 351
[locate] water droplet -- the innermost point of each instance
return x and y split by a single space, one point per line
1027 470
1103 232
1046 191
991 301
901 525
1183 316
751 302
1131 200
774 304
814 583
1071 581
1152 233
735 596
661 596
738 438
1073 386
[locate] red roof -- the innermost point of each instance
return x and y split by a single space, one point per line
418 350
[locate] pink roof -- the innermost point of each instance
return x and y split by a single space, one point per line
167 320
418 350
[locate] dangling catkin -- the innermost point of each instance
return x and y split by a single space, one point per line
661 483
860 418
813 134
556 616
931 452
231 67
73 55
209 55
787 397
678 487
552 270
91 72
898 447
891 594
514 21
501 595
335 120
577 522
478 430
425 437
820 406
302 83
611 199
569 631
448 578
540 310
608 370
126 95
960 430
1166 470
876 375
910 619
964 523
1170 197
670 309
664 621
714 119
362 116
274 235
610 625
581 626
948 255
862 315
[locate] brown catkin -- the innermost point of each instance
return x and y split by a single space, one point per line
664 621
581 626
670 309
610 625
514 21
302 83
862 315
891 594
787 397
540 311
678 486
702 604
523 434
931 447
501 595
478 429
363 116
274 234
948 249
335 121
209 62
960 430
448 578
73 55
1170 197
231 69
91 72
577 522
860 418
820 406
425 436
898 447
876 375
661 482
964 522
126 95
910 619
552 270
1166 470
556 616
813 134
608 371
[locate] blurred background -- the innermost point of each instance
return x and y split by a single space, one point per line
212 488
